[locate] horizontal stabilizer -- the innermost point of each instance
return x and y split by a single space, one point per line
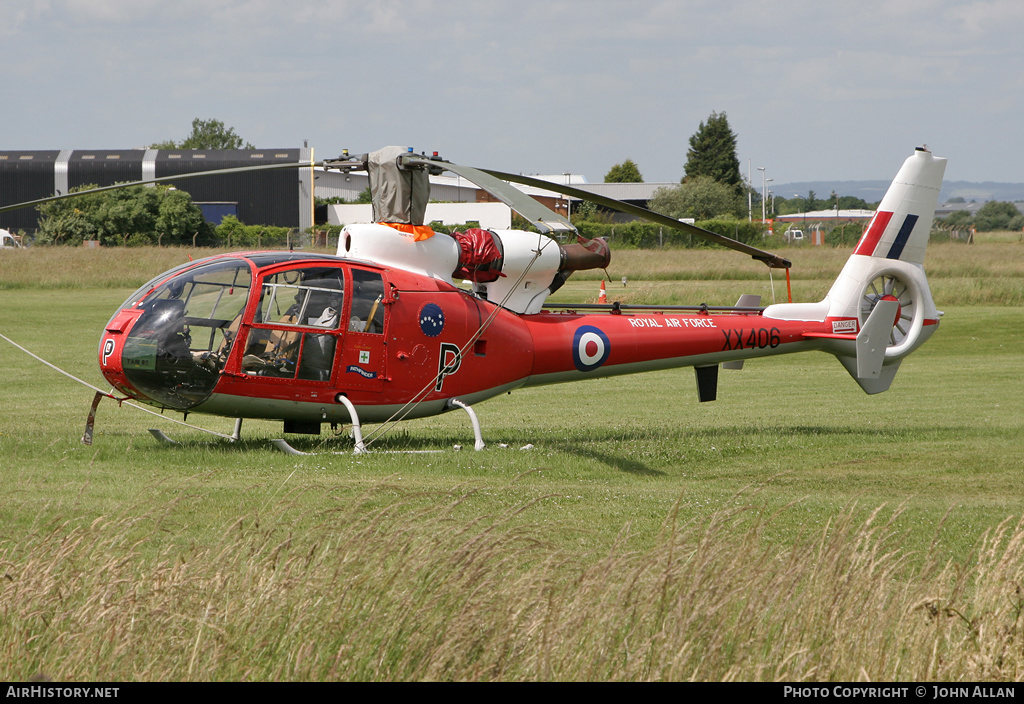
747 300
867 368
874 337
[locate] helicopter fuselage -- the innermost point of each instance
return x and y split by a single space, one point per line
284 336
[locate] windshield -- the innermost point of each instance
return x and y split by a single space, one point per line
177 348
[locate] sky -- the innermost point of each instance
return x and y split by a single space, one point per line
813 90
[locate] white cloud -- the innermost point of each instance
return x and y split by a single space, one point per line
536 86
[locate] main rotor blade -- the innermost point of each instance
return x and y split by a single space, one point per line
530 208
772 260
191 174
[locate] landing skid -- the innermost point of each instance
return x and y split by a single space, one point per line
287 449
163 437
357 432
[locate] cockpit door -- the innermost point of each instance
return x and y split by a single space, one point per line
295 327
364 363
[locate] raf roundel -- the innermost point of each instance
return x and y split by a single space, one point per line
590 348
431 319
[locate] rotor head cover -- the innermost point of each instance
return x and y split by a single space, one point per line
399 195
480 257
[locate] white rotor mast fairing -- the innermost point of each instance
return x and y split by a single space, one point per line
531 265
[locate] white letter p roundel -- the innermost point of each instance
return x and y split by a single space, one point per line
590 348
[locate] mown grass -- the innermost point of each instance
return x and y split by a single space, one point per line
644 536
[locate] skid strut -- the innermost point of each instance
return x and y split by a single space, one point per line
357 432
479 441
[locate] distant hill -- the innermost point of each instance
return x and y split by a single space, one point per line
872 191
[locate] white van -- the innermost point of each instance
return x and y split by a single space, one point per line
8 240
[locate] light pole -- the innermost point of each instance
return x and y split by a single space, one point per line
568 206
763 184
750 205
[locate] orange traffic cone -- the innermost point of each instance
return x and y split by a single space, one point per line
603 298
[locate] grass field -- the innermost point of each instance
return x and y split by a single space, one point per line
794 529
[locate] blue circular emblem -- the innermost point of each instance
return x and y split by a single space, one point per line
431 319
590 348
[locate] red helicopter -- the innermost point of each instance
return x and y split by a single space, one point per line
381 332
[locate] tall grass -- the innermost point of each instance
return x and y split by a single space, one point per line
377 591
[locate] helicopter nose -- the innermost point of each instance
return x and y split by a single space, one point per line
110 352
146 354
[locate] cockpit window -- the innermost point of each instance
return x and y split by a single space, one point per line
151 285
303 297
367 302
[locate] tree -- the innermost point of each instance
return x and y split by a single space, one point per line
207 134
855 203
712 153
134 214
957 219
995 215
701 198
812 201
626 172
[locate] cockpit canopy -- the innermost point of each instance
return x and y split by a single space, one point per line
176 349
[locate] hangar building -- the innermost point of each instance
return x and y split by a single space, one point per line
280 197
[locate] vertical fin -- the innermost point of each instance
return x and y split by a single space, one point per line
901 225
887 263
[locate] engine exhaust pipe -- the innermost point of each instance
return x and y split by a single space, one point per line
586 254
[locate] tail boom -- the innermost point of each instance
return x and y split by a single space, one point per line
878 311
